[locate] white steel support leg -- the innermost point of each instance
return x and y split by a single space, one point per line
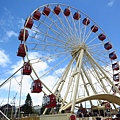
85 85
79 65
68 87
98 76
64 77
90 82
104 73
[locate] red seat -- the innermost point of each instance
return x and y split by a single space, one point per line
117 85
115 66
36 15
67 12
86 21
57 10
113 89
26 69
106 104
116 77
101 37
36 86
113 56
94 28
108 46
73 117
23 35
46 11
21 50
76 16
49 101
29 23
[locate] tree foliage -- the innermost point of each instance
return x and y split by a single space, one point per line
28 100
28 106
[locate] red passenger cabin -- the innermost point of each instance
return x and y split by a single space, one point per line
113 56
67 12
29 23
115 66
76 16
86 21
36 15
101 37
117 85
94 28
57 10
23 35
36 86
108 46
106 104
46 11
116 77
26 69
21 50
113 89
73 117
49 101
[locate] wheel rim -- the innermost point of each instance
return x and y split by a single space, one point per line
64 37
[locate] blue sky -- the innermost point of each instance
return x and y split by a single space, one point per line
13 13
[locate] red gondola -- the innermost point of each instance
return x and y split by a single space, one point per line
113 89
21 50
46 11
36 15
76 16
26 69
94 28
73 117
67 12
36 86
101 37
113 56
23 35
28 23
106 104
115 66
108 46
117 85
86 21
57 10
116 77
49 101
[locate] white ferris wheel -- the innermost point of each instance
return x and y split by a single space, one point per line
77 52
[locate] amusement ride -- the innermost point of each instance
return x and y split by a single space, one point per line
78 54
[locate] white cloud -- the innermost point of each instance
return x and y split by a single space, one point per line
11 33
4 59
7 35
110 4
21 23
40 68
8 25
7 20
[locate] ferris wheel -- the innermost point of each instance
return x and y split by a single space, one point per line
76 51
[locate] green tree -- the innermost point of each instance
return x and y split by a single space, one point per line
28 106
